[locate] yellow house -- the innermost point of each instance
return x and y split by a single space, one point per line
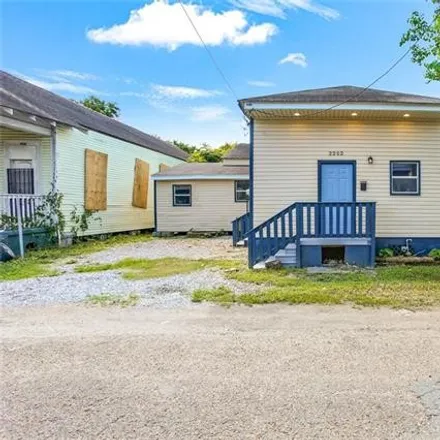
204 197
49 143
337 173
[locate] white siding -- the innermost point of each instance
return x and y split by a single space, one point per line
286 155
45 157
120 214
213 206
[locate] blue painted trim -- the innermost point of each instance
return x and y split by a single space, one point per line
155 207
190 196
422 245
419 189
337 162
251 173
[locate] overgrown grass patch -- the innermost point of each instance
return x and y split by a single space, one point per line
108 300
136 269
19 269
399 287
37 263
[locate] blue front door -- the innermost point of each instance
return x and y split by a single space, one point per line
337 182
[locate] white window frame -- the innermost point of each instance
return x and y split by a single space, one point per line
417 178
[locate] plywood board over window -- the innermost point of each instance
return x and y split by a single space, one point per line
163 167
95 188
140 185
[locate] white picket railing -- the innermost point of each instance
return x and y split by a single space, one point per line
22 208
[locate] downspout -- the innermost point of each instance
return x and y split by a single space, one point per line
53 146
251 174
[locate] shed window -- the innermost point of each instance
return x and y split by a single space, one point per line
241 190
182 195
405 178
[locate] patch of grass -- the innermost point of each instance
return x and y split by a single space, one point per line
136 269
399 287
19 269
108 300
35 263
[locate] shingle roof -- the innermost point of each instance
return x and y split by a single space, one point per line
204 169
241 151
332 95
21 95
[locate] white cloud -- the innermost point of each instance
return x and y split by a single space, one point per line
261 83
165 25
67 75
60 86
278 8
209 113
180 92
295 58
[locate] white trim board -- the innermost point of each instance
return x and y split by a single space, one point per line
202 177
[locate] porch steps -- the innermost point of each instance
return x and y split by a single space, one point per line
286 256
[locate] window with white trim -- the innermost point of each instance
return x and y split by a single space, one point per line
405 178
242 190
182 195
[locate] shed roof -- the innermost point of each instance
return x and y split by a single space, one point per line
331 95
241 151
21 95
202 171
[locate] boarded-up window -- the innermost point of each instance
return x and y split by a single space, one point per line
163 167
140 186
95 188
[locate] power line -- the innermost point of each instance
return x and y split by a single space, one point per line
211 56
355 97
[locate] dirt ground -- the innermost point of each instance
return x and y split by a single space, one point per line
272 372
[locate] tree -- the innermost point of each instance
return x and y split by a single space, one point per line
424 35
205 153
107 108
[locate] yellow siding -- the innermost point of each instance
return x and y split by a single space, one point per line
286 155
213 206
120 214
45 156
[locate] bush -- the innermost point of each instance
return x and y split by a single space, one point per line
435 253
386 253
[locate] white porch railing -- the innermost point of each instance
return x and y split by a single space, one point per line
17 211
20 206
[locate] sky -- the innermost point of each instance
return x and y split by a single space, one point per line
146 56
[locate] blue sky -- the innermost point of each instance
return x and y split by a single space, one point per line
151 63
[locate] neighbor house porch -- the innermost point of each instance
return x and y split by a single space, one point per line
26 163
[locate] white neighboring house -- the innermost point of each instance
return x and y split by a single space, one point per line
203 197
96 162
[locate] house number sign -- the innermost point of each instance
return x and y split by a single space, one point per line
335 153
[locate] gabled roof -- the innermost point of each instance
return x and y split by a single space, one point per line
241 151
332 95
21 95
203 171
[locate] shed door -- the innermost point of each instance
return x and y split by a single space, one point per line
337 186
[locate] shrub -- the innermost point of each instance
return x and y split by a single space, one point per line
386 253
435 253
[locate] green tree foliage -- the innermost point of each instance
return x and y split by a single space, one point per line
424 36
107 108
205 153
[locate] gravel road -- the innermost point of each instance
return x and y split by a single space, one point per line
173 291
272 372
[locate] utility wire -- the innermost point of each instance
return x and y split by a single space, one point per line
355 97
211 56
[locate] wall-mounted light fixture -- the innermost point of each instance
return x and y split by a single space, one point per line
370 160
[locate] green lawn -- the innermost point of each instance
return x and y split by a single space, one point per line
409 287
38 263
136 269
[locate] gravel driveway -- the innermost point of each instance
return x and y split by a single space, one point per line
173 291
272 372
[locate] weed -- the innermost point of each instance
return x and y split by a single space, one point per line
107 300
